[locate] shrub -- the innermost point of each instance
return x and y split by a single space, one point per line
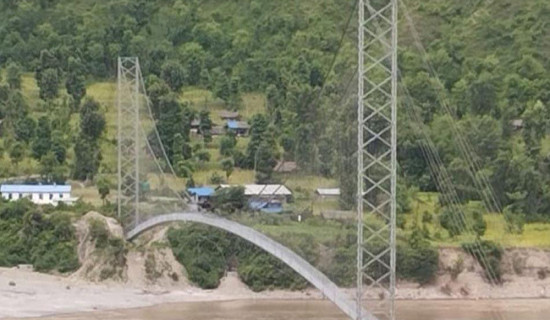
99 233
489 256
417 262
457 268
229 200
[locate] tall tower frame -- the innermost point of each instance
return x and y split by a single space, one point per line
377 155
128 105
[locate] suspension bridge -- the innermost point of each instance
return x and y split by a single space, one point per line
376 127
140 151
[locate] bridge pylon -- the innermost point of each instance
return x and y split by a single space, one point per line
376 156
128 123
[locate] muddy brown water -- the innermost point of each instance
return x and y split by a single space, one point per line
320 310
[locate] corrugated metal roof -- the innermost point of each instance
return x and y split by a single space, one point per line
201 192
228 114
233 124
328 191
263 189
35 188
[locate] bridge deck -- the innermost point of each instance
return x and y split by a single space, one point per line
306 270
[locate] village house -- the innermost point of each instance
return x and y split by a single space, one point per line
240 128
285 167
229 115
201 195
268 198
38 194
324 193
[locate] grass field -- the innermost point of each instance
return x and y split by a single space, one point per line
534 234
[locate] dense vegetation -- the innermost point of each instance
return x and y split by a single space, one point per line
488 54
43 237
491 72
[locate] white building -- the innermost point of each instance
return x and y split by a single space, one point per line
328 192
39 194
271 191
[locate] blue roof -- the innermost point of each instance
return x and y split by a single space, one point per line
265 206
35 188
234 124
201 192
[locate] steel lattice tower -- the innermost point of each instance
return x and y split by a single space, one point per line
377 163
128 96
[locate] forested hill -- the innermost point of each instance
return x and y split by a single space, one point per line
491 57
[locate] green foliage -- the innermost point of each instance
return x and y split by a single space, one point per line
30 236
489 256
227 166
99 233
479 225
17 152
227 144
207 253
13 75
103 189
229 200
92 121
450 221
417 261
48 84
173 74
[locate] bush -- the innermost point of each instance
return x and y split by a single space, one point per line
451 222
99 233
489 256
261 271
229 200
418 263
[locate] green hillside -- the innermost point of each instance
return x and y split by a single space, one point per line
272 62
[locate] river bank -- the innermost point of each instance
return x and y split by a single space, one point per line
322 310
24 293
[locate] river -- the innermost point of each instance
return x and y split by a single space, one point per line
319 310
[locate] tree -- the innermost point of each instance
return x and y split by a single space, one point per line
265 162
42 143
50 169
258 129
103 189
58 146
536 121
48 84
228 200
173 74
227 166
450 221
193 56
479 224
75 81
87 159
17 153
76 88
25 129
227 144
13 75
205 126
92 121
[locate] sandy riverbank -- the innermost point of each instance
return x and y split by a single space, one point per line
33 294
36 294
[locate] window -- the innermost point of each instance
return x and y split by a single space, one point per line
10 196
61 196
40 196
51 196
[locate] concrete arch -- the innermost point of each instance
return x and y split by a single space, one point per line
294 261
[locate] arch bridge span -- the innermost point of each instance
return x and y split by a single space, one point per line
294 261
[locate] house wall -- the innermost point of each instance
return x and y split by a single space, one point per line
39 198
